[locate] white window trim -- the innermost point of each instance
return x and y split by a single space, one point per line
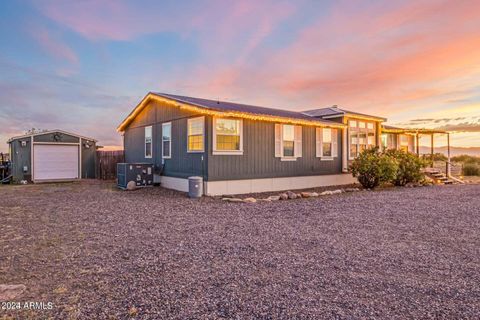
145 143
319 144
214 138
281 155
359 130
322 157
170 141
203 134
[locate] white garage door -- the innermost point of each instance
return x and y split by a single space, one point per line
52 162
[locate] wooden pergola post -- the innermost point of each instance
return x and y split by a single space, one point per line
417 136
432 147
449 168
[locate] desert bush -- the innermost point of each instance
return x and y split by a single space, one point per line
464 158
371 168
471 169
409 167
436 157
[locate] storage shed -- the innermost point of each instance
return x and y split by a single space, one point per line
52 156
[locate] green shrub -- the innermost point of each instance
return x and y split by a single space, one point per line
372 167
436 157
409 167
464 158
471 169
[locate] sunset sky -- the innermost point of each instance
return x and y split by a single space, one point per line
82 66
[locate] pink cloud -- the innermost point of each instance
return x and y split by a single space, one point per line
53 46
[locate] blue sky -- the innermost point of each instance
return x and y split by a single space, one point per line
83 65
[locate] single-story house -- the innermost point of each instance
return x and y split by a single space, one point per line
54 155
239 148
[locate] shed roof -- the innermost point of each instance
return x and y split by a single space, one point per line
216 107
335 112
48 132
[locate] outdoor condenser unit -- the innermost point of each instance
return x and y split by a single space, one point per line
140 173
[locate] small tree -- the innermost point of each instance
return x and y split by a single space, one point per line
409 168
372 168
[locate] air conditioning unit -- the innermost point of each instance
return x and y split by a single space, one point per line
140 173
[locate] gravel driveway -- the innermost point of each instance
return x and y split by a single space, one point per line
99 253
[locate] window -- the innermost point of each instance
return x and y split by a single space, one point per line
326 143
148 142
195 129
385 141
404 142
167 140
288 141
227 136
361 136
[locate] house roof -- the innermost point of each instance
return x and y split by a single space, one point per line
335 112
392 129
48 132
216 107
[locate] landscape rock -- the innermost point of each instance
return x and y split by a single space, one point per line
336 191
131 186
250 200
291 195
283 196
11 291
326 193
299 195
274 198
305 194
232 199
351 189
313 194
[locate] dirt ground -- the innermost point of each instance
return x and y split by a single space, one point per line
94 252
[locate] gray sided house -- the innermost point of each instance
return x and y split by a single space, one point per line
239 148
52 156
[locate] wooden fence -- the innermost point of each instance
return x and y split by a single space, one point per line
107 164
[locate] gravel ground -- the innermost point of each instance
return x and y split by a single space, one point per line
99 253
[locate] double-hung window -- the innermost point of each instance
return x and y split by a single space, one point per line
326 143
227 136
167 140
148 142
361 136
288 141
195 133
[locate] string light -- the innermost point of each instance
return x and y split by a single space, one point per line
234 114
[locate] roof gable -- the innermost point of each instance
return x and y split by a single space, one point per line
335 112
49 132
230 109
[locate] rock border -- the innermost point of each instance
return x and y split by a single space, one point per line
290 195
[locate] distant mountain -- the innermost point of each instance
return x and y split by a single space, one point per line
454 151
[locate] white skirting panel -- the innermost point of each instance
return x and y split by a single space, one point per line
214 188
173 183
